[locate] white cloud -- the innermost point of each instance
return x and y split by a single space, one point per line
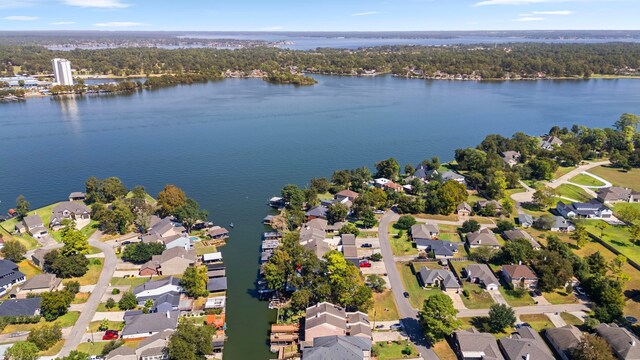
12 4
102 4
366 13
62 23
20 18
557 12
529 18
120 24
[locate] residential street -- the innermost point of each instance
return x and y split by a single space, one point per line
407 313
79 329
533 309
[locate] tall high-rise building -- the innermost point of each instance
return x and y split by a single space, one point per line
62 71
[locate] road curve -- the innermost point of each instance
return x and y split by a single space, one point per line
76 335
409 316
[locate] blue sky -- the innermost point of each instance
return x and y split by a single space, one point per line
325 15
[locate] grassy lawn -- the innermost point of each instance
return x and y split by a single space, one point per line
113 325
103 308
616 236
201 249
132 281
573 192
92 276
444 351
480 323
562 170
402 245
513 299
44 212
394 350
68 319
478 298
571 319
417 295
560 297
26 240
537 321
92 349
81 298
384 307
54 350
619 206
630 179
586 180
29 269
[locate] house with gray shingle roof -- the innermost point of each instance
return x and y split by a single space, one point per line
484 237
325 319
438 277
550 142
481 274
34 226
140 325
512 235
525 343
625 345
37 285
511 158
424 231
473 345
441 249
70 210
10 275
21 307
338 348
563 340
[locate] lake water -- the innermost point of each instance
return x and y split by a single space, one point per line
233 144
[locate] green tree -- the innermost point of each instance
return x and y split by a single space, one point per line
128 301
73 287
337 212
376 282
553 270
111 345
544 197
140 253
389 169
293 196
44 337
634 231
405 222
170 199
190 342
194 281
22 207
504 225
22 350
321 185
190 213
592 347
602 226
501 316
368 219
55 304
139 193
113 188
110 304
14 250
580 235
438 317
349 228
75 355
483 254
516 251
470 226
75 242
347 284
301 299
66 266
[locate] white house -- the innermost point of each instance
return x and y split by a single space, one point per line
156 288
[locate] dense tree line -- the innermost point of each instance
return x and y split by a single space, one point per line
508 60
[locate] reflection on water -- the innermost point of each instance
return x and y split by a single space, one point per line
69 110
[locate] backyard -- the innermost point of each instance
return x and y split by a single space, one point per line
630 179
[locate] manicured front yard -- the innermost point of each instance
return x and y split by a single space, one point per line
113 325
92 348
571 319
537 321
400 245
560 297
572 192
92 276
68 319
478 298
81 298
516 299
417 295
393 351
630 179
586 180
444 351
384 307
562 170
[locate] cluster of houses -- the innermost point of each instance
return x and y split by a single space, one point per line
526 344
330 332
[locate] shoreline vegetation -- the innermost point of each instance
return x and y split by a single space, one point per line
165 67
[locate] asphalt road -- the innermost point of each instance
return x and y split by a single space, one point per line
76 336
409 316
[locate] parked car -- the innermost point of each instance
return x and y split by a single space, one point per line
379 326
579 290
378 212
126 242
365 264
366 245
631 319
396 327
110 335
406 294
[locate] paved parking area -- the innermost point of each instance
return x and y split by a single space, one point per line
377 268
384 336
375 242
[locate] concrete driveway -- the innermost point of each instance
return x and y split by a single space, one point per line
458 304
497 297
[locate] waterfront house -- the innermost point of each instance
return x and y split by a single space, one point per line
218 232
511 157
450 175
512 235
474 345
173 261
424 173
424 232
520 276
346 194
483 237
439 248
179 240
338 348
38 284
318 247
525 343
20 307
525 220
277 202
561 224
270 245
217 302
464 211
75 211
482 275
624 344
550 142
77 196
615 194
326 319
563 340
34 227
138 325
157 288
10 275
317 212
588 210
167 227
441 278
